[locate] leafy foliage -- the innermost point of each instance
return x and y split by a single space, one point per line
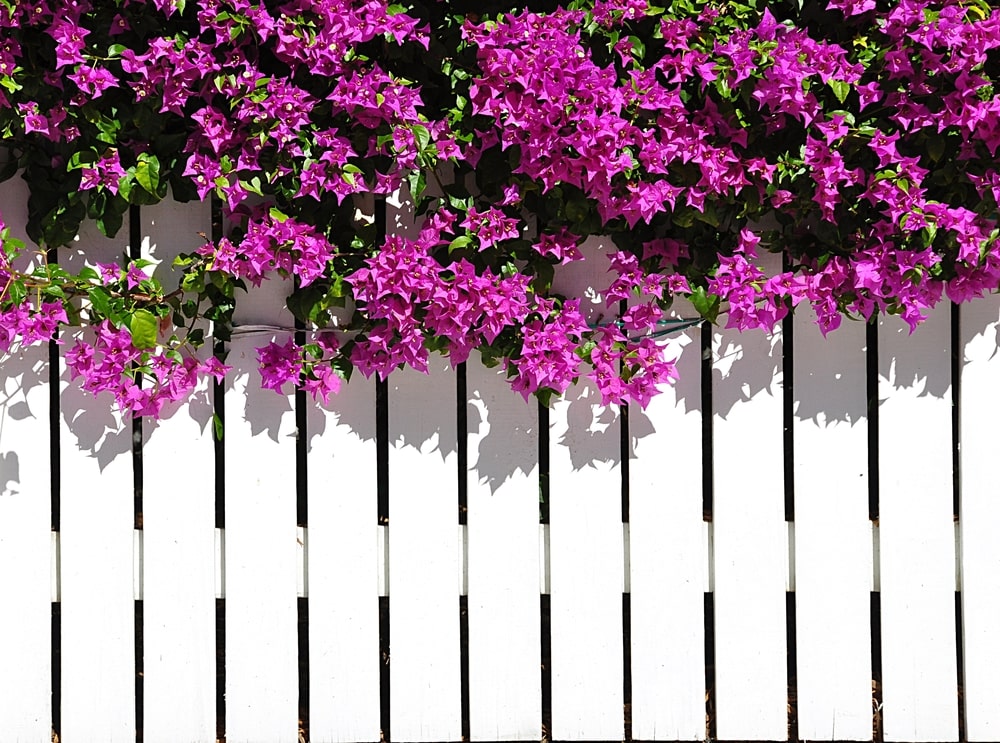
855 137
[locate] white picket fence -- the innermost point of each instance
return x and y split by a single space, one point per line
308 608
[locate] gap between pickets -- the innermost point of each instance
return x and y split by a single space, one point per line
462 545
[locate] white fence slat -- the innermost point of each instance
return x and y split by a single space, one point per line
25 525
179 681
586 555
587 564
667 554
833 543
261 540
916 531
749 537
25 548
503 564
424 666
343 567
97 547
979 512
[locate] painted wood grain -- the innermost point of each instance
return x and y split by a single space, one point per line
833 543
916 531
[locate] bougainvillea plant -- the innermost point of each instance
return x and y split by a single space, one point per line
855 138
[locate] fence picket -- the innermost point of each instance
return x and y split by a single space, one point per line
343 579
25 542
424 667
97 547
504 630
586 561
833 543
980 512
917 535
667 555
586 553
750 539
979 515
94 573
179 685
25 528
261 557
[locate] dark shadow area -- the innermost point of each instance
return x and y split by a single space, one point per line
22 374
745 365
93 426
436 420
303 645
593 433
930 346
139 686
220 669
263 409
385 714
546 665
10 473
876 634
55 670
791 666
509 445
353 407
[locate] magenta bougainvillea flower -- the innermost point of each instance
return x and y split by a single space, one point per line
855 138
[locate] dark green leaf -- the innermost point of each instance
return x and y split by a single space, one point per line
143 325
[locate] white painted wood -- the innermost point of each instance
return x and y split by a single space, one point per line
424 666
917 537
261 532
586 556
260 554
97 518
979 514
343 567
179 675
504 623
749 536
586 553
667 547
833 555
25 524
25 538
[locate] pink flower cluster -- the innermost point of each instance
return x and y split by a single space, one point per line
273 242
140 382
409 297
862 146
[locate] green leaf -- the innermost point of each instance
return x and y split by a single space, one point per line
422 136
100 301
417 181
217 425
840 89
196 337
462 241
638 48
704 304
109 223
147 172
16 292
143 325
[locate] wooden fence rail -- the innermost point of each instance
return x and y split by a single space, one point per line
788 544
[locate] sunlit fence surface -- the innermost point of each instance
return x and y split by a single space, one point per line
788 544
